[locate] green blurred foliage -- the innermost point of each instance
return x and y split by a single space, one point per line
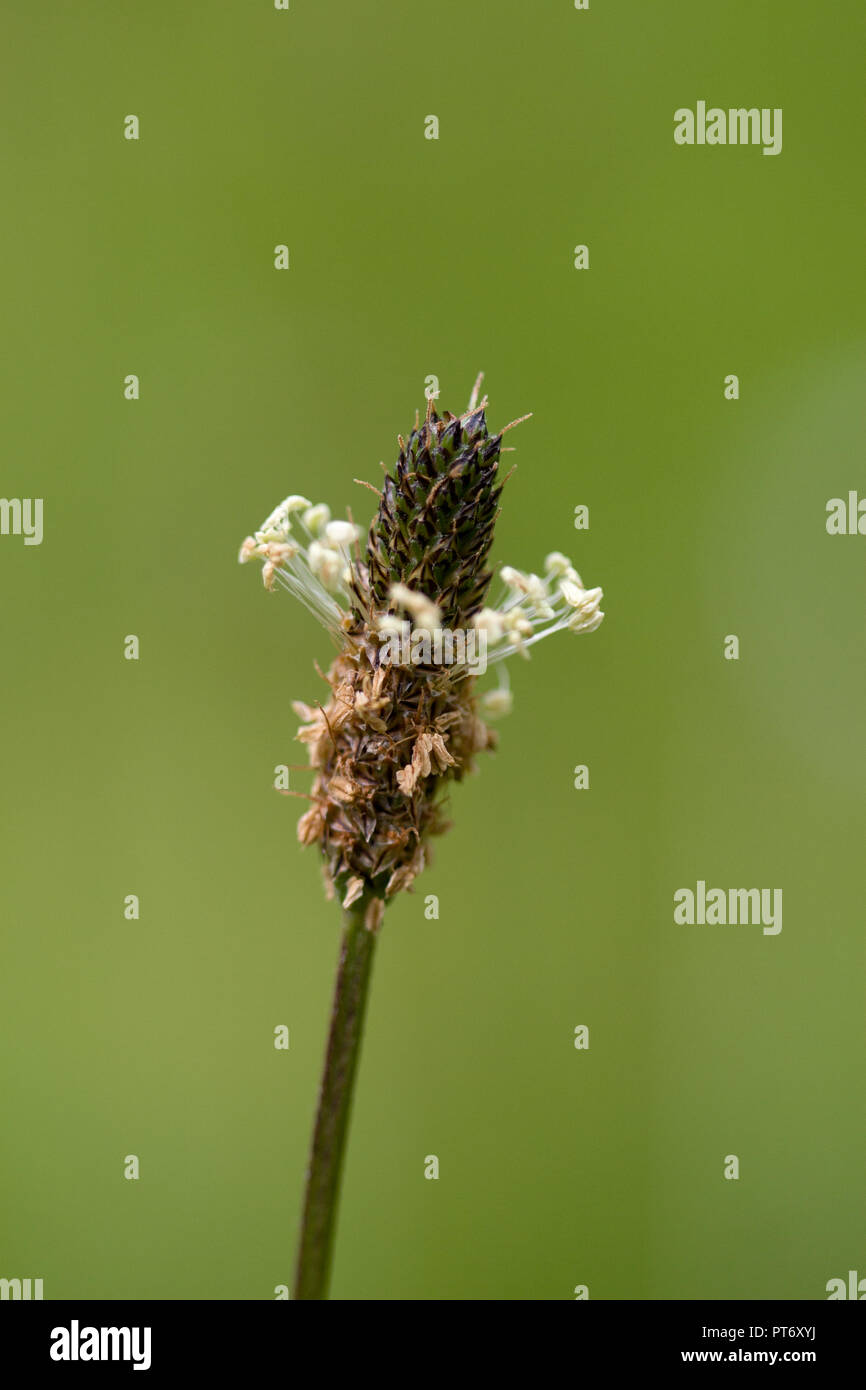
411 257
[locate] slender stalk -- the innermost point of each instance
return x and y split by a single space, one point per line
335 1101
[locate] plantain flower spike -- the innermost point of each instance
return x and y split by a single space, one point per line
409 617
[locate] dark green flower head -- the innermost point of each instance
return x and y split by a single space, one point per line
434 526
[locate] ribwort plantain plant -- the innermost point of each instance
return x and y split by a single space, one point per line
393 733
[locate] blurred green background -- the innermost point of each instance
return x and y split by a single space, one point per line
411 257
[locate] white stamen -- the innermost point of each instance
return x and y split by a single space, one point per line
317 518
341 533
556 563
427 614
326 564
513 578
497 703
489 621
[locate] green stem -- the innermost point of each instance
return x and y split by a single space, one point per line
335 1101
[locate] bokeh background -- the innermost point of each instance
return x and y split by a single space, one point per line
411 257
